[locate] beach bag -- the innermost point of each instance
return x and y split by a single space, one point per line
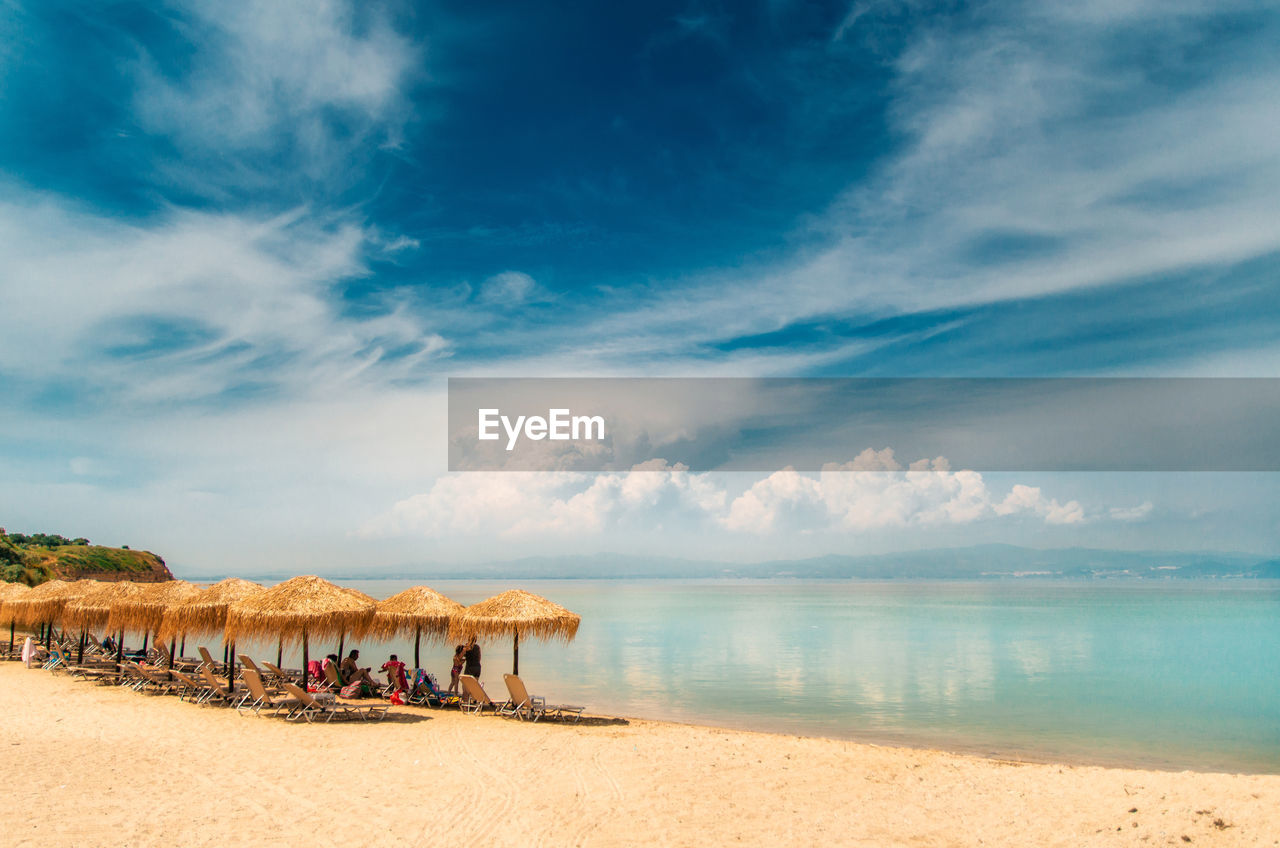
351 691
396 699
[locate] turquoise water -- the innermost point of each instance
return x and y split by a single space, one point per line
1174 675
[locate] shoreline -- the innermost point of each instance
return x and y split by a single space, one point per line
152 770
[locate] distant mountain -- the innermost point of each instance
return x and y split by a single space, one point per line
980 562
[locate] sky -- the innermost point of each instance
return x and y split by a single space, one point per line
243 246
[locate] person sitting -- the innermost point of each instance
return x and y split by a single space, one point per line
395 674
352 673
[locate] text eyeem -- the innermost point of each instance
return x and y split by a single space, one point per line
560 425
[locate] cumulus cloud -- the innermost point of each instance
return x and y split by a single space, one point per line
551 503
871 492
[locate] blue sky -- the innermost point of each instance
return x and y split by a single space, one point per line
242 245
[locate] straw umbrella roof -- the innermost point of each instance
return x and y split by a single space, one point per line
302 606
419 609
205 613
92 610
144 612
43 603
8 592
12 590
515 613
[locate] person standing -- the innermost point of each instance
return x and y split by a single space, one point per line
471 658
459 656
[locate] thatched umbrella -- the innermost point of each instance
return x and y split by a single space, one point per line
355 593
11 592
417 610
299 609
205 613
146 612
44 603
515 613
93 609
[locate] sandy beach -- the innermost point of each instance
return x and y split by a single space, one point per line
97 765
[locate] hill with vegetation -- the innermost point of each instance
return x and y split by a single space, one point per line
37 557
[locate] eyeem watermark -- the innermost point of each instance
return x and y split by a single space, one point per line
980 424
560 425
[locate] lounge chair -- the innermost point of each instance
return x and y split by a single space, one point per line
207 661
523 705
169 661
154 681
257 698
427 692
475 700
332 679
310 709
188 687
214 689
278 674
56 661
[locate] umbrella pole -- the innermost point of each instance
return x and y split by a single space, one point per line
342 644
417 640
280 654
11 623
305 659
146 635
231 669
173 643
182 649
120 654
515 659
80 653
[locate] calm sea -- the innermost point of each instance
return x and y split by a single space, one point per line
1174 675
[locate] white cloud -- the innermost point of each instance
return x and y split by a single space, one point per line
842 499
263 72
195 305
522 504
510 288
1131 513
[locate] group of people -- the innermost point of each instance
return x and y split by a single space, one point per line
466 660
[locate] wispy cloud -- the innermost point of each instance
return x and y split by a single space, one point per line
271 90
194 308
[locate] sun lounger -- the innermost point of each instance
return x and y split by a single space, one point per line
257 698
523 705
154 681
426 692
188 687
180 663
310 709
207 661
214 690
278 675
475 700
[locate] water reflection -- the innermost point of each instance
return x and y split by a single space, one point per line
1184 674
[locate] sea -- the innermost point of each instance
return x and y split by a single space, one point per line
1177 674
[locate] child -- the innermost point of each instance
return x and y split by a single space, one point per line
459 653
395 674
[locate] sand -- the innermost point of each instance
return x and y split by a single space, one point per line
93 765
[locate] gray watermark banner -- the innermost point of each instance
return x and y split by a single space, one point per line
812 424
